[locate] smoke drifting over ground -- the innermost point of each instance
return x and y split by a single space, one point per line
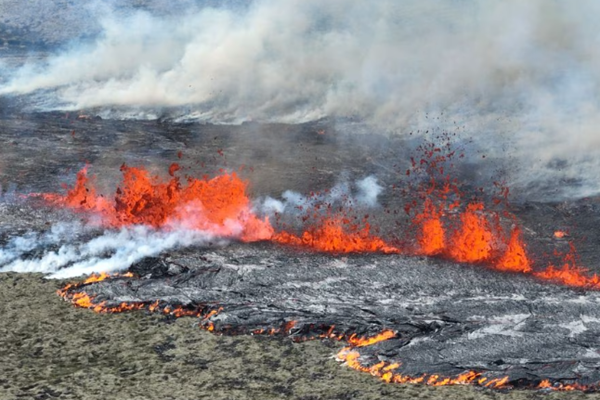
111 251
516 75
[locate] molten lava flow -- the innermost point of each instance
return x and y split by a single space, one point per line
386 371
83 300
545 384
570 274
560 234
337 235
284 329
514 259
474 241
432 237
562 387
219 205
380 337
103 276
448 225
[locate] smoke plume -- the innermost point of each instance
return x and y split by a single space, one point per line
514 74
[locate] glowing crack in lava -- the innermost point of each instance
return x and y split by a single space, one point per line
210 318
348 354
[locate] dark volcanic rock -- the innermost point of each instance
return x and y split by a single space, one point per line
449 318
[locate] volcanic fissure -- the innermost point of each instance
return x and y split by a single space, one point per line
258 286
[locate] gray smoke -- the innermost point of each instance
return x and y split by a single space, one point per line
518 75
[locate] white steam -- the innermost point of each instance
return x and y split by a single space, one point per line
18 246
363 194
72 249
516 74
109 252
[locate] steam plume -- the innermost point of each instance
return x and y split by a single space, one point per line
519 74
364 195
111 251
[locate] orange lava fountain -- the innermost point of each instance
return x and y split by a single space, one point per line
474 234
474 241
219 205
447 226
515 258
431 237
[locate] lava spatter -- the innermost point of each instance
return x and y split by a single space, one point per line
337 235
219 205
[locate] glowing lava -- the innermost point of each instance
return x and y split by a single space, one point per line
473 238
84 300
432 236
219 205
387 371
337 235
515 258
447 226
570 273
474 241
